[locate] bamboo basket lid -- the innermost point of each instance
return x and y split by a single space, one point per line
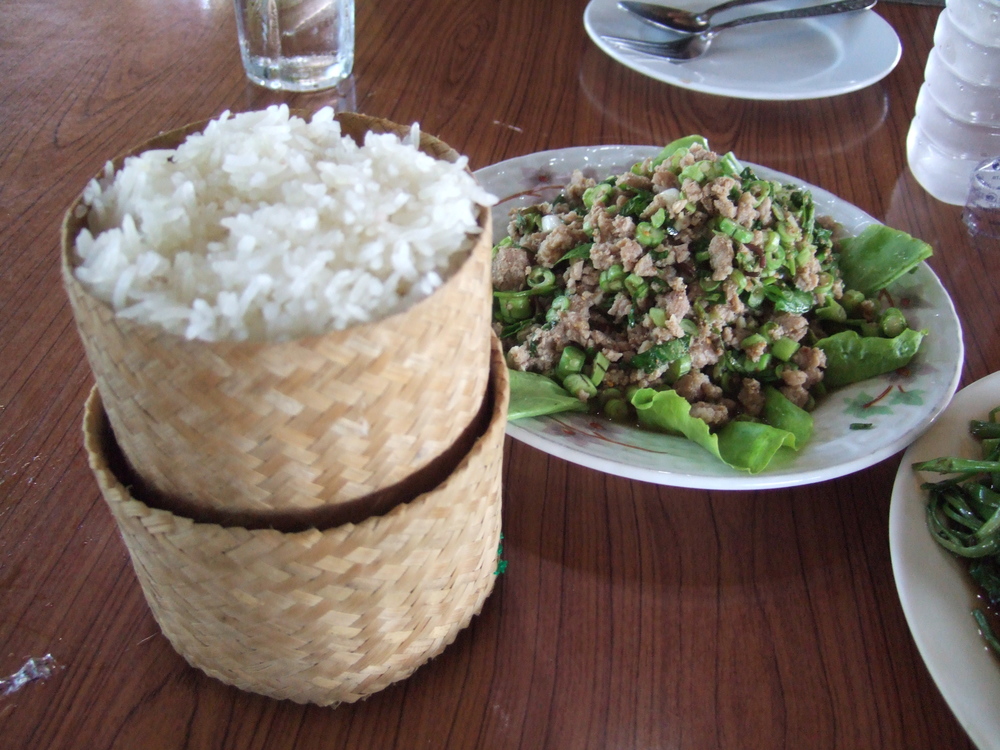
320 616
299 426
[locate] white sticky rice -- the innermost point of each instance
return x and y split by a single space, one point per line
269 227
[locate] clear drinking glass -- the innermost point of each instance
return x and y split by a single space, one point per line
296 45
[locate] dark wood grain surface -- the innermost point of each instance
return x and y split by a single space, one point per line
631 615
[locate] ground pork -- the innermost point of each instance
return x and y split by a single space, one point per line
705 350
811 361
696 386
675 303
635 181
720 256
692 190
510 268
603 255
746 214
719 190
630 252
790 326
601 223
577 186
623 227
664 179
754 351
611 342
807 275
713 414
645 266
541 351
621 307
580 274
559 241
751 397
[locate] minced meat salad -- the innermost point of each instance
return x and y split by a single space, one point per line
687 273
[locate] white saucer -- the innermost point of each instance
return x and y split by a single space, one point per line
806 58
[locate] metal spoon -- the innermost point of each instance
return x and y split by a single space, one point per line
678 19
695 45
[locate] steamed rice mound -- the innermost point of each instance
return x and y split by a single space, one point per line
269 227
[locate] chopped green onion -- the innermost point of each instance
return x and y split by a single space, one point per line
600 367
689 327
754 339
892 322
598 193
570 362
784 349
697 172
516 308
541 280
580 386
734 230
648 235
833 311
617 410
559 304
730 164
851 300
681 144
636 286
612 279
677 369
661 354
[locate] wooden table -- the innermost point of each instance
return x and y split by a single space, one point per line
631 615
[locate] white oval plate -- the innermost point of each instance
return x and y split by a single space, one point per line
806 58
909 405
933 585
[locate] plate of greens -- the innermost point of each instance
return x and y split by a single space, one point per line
934 585
852 427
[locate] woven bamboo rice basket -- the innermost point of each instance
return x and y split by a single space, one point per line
230 430
319 616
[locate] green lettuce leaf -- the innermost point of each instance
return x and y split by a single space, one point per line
851 358
749 446
534 395
878 256
783 414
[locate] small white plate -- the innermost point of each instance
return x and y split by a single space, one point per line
908 405
934 586
807 58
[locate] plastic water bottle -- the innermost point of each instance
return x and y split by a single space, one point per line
956 125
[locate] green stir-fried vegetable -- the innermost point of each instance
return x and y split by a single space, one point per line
963 513
691 276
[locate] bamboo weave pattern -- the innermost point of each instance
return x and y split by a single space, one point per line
321 616
294 426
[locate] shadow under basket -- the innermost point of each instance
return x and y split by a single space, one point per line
320 616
